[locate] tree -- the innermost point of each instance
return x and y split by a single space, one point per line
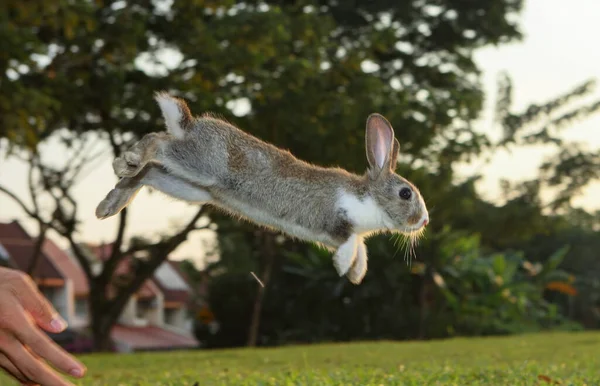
70 76
574 165
108 293
430 158
309 72
312 71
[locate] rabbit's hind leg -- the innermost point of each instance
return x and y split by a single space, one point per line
134 159
359 267
173 186
345 255
154 176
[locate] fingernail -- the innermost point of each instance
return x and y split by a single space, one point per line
76 373
58 324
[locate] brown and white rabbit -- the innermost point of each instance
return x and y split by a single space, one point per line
207 160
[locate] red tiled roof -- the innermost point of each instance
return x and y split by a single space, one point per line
149 338
180 296
20 246
69 268
177 266
148 290
13 230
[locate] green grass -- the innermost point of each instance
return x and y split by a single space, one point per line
570 358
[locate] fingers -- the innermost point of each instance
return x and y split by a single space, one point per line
13 371
34 302
29 366
41 344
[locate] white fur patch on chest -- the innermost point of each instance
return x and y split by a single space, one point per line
364 213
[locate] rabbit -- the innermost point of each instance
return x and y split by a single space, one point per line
206 160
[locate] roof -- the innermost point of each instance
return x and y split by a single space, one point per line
20 246
151 338
172 282
148 290
176 264
69 268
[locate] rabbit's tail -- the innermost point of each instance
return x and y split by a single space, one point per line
176 113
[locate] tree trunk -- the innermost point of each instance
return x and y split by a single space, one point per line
101 335
97 313
37 251
268 252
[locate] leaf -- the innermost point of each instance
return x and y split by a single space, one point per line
547 379
562 287
554 261
499 264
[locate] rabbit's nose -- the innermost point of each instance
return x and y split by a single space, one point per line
425 222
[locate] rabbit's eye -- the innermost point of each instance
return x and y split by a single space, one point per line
405 193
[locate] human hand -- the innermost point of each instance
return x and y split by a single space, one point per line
24 349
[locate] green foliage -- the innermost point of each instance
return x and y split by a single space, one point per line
570 359
310 72
462 292
498 293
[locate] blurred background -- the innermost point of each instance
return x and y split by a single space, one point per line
493 102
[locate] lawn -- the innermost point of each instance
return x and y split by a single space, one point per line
543 359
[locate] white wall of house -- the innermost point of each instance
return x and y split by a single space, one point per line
142 313
70 304
155 315
59 298
128 316
77 309
176 318
81 312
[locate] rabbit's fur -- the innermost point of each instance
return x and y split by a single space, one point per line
207 160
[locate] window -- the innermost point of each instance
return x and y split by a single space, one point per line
144 307
81 307
3 253
170 316
50 293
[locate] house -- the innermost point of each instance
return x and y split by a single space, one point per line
58 278
155 318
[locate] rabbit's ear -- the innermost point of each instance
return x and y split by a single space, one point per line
176 113
382 147
394 156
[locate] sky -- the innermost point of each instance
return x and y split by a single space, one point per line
559 51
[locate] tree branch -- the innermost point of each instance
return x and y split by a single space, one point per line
37 250
19 202
81 257
115 256
147 247
32 190
158 254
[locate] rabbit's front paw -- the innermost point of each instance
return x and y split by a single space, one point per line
112 204
345 255
128 165
359 269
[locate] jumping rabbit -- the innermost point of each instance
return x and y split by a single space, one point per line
205 160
